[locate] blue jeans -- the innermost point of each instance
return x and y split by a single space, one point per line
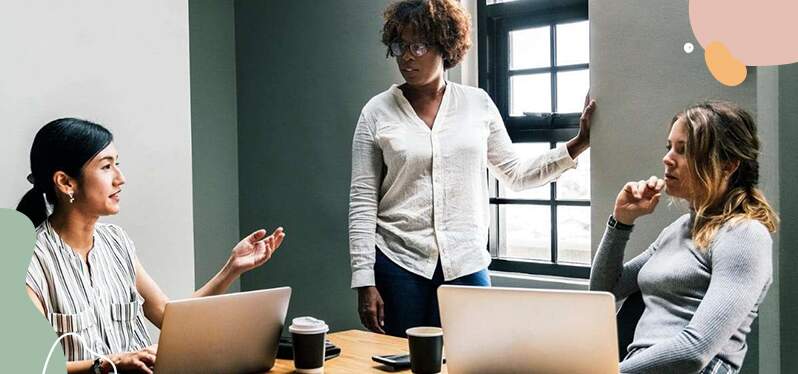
715 366
412 300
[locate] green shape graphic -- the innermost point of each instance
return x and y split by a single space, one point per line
27 336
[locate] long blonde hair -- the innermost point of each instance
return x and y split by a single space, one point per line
720 133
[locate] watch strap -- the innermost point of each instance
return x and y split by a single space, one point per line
96 367
612 222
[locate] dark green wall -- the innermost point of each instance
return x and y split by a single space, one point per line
214 135
305 69
788 171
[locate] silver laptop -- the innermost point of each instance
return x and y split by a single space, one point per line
512 330
235 333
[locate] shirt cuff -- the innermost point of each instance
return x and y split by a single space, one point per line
616 234
363 278
563 158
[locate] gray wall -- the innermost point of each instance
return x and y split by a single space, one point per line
305 69
641 77
788 132
214 135
125 65
769 321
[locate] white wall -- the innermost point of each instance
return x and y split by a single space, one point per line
124 64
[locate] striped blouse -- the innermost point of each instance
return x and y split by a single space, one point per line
101 305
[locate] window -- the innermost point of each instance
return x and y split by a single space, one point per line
534 62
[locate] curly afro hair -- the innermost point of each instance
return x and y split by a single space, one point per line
443 24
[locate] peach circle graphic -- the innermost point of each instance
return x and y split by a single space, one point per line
752 33
723 66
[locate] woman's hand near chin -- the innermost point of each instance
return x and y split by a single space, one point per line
637 199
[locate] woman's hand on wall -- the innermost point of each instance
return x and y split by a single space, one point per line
581 141
637 199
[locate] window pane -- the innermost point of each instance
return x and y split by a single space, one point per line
573 43
527 150
575 183
572 87
573 234
527 231
530 48
530 93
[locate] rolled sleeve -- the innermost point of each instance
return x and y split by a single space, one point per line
562 158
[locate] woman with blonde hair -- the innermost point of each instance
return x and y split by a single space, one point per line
705 276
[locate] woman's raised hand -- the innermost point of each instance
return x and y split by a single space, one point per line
637 199
255 250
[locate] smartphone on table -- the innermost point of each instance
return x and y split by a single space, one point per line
396 362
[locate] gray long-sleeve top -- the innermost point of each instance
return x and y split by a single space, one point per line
699 304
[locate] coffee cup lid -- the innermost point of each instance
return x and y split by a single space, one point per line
308 325
424 331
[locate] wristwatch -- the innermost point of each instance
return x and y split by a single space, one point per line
97 367
618 225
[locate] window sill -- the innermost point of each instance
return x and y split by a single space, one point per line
540 268
509 279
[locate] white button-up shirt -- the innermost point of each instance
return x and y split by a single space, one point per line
421 194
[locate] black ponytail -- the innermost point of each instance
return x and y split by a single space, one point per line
34 206
65 145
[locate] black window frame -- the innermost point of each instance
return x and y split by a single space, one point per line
494 23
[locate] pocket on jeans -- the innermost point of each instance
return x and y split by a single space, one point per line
718 366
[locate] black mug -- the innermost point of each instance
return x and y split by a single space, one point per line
426 349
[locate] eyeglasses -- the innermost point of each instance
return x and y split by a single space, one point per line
417 49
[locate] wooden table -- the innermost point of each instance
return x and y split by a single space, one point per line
357 347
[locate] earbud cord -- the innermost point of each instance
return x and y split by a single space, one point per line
82 341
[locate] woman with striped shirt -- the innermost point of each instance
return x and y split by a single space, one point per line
85 276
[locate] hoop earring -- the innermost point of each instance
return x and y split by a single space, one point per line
71 198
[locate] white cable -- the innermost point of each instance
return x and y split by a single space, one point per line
82 341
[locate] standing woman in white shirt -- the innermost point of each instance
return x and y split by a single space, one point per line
85 276
418 210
